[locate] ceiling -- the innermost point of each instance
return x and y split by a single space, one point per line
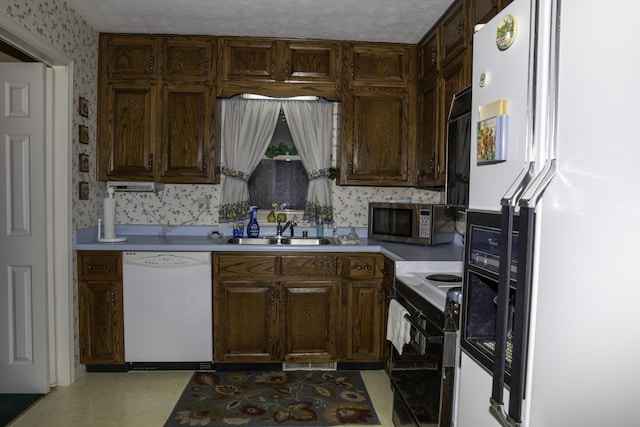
401 21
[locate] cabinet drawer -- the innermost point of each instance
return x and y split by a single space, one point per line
317 265
101 265
242 265
363 267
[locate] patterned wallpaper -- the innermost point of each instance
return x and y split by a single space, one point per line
62 28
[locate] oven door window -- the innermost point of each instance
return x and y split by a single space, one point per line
479 328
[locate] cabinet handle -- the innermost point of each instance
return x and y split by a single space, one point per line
283 295
273 67
206 67
461 31
434 57
360 267
152 65
353 71
287 73
99 267
204 165
380 298
272 296
150 162
351 166
114 296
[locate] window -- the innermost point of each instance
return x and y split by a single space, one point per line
278 180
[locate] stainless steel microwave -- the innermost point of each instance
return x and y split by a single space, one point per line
411 223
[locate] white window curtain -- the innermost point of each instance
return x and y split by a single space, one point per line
310 125
247 129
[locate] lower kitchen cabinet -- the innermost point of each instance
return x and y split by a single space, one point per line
364 307
245 321
100 307
309 320
297 307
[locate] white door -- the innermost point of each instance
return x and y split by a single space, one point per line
23 287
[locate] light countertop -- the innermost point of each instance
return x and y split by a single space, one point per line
195 238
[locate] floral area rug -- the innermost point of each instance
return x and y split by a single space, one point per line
292 398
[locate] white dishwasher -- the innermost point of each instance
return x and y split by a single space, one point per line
167 309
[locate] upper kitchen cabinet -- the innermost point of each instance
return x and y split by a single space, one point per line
378 115
279 67
444 58
453 32
129 57
157 126
483 10
379 64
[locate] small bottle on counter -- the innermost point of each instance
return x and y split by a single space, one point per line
253 229
319 227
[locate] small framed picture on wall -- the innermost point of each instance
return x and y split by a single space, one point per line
83 191
83 107
83 162
83 134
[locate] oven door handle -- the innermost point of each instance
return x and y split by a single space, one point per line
431 339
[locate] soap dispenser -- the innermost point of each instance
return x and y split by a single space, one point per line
253 229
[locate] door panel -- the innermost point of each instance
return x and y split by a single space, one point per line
23 291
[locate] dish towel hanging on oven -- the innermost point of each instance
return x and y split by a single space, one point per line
398 327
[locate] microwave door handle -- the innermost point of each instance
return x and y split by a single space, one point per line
502 316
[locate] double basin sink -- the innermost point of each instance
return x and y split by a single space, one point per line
300 241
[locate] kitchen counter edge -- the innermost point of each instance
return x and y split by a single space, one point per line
84 240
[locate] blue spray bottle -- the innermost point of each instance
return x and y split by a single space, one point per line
253 229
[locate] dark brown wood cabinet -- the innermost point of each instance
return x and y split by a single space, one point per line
298 307
279 67
445 57
156 109
483 10
364 302
378 115
388 290
100 307
270 308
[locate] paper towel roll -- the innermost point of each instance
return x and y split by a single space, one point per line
109 218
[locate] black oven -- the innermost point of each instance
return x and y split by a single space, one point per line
423 376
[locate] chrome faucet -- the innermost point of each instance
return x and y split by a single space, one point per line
280 228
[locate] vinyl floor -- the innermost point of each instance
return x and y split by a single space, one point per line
145 399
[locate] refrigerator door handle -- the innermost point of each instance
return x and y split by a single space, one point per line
502 315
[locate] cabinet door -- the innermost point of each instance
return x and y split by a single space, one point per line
453 30
101 322
484 10
188 58
245 321
248 59
372 64
311 62
428 61
126 148
310 320
364 320
186 134
128 57
430 144
377 144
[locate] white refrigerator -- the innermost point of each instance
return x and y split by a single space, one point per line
582 359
